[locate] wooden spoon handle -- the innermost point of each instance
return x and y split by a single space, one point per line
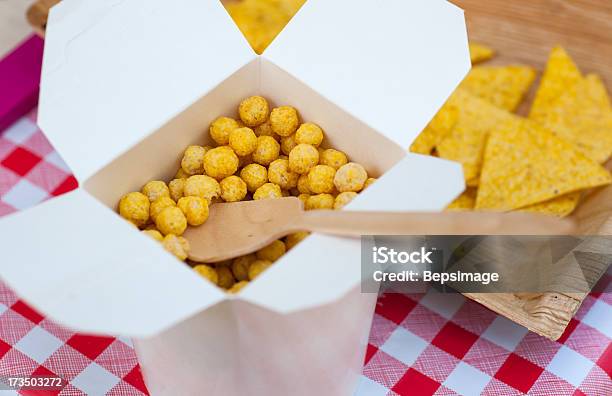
349 223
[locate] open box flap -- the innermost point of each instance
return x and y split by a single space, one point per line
390 63
416 183
94 272
115 71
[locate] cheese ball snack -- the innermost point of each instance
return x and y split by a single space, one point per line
321 179
344 198
154 234
302 184
287 144
226 278
279 173
309 133
350 177
293 239
254 175
243 141
171 220
176 188
160 204
193 160
267 150
207 272
202 186
265 129
237 287
181 174
233 189
134 207
254 111
267 191
220 162
257 267
302 158
155 189
369 182
272 252
176 245
284 120
333 158
195 210
240 266
320 201
304 198
220 129
226 263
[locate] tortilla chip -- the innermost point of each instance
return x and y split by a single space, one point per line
439 127
583 117
480 53
465 144
504 87
561 207
261 20
465 201
525 164
561 75
597 92
473 182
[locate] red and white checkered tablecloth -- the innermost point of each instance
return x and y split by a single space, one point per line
432 344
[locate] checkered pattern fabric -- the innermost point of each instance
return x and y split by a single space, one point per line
431 344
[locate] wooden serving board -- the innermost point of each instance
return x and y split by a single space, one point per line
523 32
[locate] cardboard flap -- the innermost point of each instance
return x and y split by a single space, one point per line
82 271
390 63
297 282
418 183
115 71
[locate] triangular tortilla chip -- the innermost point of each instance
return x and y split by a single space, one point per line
465 144
465 201
480 53
439 127
597 92
261 21
561 207
525 164
503 86
561 75
583 117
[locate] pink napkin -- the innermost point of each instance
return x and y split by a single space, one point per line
19 80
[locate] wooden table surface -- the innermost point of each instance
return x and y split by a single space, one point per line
523 31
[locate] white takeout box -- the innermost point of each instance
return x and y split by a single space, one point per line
128 84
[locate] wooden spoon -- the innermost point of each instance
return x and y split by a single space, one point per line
235 229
